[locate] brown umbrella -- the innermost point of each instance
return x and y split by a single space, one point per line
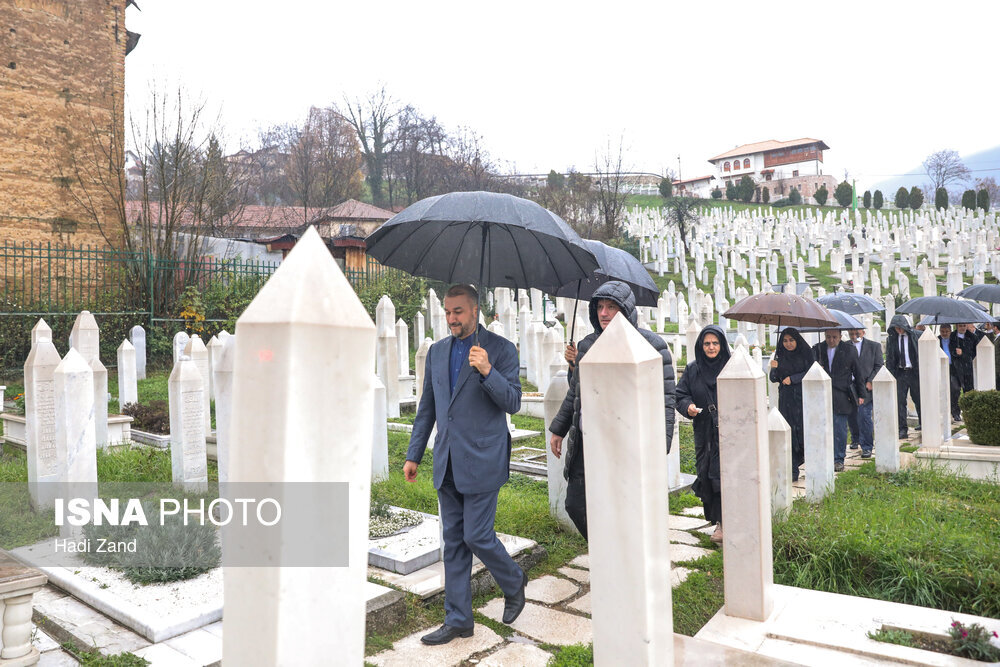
788 310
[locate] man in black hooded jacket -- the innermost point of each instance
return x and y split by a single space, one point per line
607 301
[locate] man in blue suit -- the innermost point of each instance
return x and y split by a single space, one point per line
470 382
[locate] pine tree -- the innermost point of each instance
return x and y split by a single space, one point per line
969 200
940 198
878 201
902 198
765 195
821 195
866 201
916 197
983 199
666 188
844 194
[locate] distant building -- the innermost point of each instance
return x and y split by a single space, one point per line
696 187
777 165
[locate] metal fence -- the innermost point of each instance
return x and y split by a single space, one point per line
372 271
43 279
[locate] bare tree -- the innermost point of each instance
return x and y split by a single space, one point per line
324 162
945 167
611 189
373 121
681 212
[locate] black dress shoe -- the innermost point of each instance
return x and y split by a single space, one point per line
514 604
838 467
853 446
903 435
866 455
445 634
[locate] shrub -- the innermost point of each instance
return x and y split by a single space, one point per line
981 413
983 199
716 193
666 188
821 195
781 203
152 417
940 198
765 195
844 194
902 198
969 200
405 291
866 200
795 197
916 197
877 200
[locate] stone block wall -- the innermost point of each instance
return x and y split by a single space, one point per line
62 83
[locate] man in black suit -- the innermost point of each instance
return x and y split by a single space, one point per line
869 363
903 362
840 360
964 338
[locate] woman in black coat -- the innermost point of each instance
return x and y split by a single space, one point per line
697 399
792 360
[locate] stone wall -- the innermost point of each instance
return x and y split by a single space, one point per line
806 185
62 75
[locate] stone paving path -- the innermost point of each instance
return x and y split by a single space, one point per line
557 613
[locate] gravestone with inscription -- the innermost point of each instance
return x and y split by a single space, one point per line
188 458
198 353
40 422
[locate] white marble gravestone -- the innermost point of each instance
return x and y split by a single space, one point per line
817 427
222 377
214 347
886 417
744 457
99 378
622 402
75 438
188 455
45 459
85 337
780 441
196 351
180 342
41 330
128 388
137 336
931 407
986 379
320 348
554 394
380 434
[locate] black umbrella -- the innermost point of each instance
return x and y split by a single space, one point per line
854 304
613 264
946 309
989 293
483 238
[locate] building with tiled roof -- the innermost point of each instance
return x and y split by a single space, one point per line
777 165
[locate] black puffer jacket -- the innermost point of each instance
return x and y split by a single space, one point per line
569 412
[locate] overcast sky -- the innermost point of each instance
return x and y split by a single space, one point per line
549 84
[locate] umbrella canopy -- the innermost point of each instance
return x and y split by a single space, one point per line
483 238
614 264
855 304
844 321
945 309
790 310
988 293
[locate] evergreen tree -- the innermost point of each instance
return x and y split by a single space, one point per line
866 201
916 197
795 196
716 193
940 198
746 189
983 199
666 188
821 195
731 191
877 200
903 198
844 194
765 195
969 200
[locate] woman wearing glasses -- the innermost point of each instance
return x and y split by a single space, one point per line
696 399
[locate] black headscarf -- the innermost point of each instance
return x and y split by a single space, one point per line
798 360
709 369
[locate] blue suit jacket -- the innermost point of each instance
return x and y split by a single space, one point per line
471 422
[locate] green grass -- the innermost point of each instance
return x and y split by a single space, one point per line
922 536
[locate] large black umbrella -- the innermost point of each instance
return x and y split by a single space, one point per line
613 264
988 293
945 309
483 238
854 304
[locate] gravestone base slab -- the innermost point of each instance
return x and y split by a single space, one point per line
965 458
814 627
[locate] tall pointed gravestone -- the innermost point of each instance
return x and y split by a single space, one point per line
44 456
222 375
305 335
196 351
128 388
137 336
85 338
817 427
622 395
188 457
75 439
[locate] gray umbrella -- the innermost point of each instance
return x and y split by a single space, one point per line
855 304
945 309
989 293
483 238
844 321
